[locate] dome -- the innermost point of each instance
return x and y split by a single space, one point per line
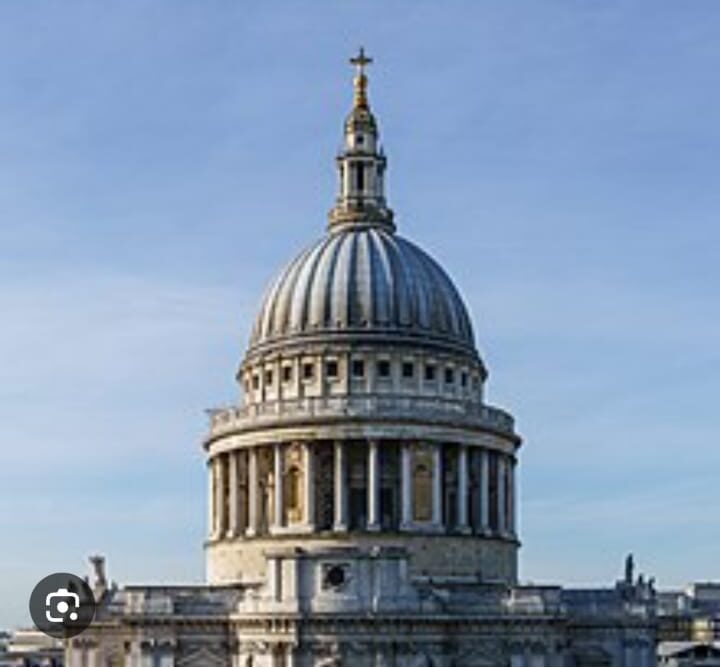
363 283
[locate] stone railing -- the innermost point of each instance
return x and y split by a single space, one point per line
138 602
386 406
534 600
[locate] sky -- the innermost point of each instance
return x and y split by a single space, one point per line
160 161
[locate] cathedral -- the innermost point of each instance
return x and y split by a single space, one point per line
362 492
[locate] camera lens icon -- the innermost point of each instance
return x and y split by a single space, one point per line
62 605
59 603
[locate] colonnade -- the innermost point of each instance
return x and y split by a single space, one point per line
361 485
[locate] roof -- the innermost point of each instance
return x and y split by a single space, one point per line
363 282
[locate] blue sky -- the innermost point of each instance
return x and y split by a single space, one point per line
160 160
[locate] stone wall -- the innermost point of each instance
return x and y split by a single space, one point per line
431 555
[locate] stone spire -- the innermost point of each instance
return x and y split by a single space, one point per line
361 163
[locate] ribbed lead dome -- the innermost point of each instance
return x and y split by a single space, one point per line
365 282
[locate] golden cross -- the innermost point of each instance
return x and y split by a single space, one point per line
360 60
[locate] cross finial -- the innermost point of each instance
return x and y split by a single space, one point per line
360 60
360 81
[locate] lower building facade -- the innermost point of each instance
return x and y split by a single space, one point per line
350 607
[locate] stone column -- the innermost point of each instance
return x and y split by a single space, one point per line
309 486
484 491
437 484
277 372
406 486
629 655
252 491
528 655
462 489
277 655
211 498
501 481
340 487
220 517
135 656
232 530
278 499
513 500
373 486
167 656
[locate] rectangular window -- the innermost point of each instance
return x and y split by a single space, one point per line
256 381
308 370
358 368
287 373
463 379
268 378
449 375
430 372
383 368
408 369
331 369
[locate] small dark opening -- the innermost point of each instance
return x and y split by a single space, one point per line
360 175
335 576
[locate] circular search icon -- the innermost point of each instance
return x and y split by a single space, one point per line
62 605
